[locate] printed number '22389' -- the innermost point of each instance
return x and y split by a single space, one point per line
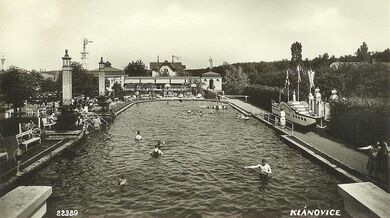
67 212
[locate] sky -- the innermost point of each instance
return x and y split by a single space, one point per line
35 33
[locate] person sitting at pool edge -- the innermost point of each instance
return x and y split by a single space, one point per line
264 166
138 137
156 151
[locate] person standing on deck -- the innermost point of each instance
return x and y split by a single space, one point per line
18 158
372 164
384 162
282 118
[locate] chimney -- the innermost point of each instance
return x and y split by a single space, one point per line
101 64
158 59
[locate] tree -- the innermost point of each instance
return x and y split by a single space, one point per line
136 68
362 53
48 85
118 90
296 54
17 86
235 79
83 83
382 56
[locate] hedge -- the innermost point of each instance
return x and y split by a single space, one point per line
10 126
262 96
210 94
360 121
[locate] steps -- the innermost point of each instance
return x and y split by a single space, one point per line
52 135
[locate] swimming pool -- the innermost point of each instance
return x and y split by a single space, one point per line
201 172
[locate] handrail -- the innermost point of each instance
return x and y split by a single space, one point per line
95 114
274 118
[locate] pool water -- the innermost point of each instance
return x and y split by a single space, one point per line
201 172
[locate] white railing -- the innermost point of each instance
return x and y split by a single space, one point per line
275 120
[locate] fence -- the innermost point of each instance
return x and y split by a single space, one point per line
274 119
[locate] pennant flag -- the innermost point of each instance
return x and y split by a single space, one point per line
287 83
311 78
299 69
310 74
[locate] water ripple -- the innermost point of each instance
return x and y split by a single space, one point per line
200 174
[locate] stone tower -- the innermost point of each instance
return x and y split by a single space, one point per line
102 78
66 79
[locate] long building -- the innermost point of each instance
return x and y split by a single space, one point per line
164 77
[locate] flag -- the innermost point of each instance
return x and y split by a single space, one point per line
310 74
287 83
299 69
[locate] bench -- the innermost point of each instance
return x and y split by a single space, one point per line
28 137
46 123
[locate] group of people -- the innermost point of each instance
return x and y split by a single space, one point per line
28 126
265 168
157 148
378 160
155 153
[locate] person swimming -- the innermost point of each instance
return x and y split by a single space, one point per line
157 150
264 166
122 180
138 137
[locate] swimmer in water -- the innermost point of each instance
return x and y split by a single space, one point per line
157 150
122 180
264 166
138 137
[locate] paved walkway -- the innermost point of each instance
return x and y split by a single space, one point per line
341 152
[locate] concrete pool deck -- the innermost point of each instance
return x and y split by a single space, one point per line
338 154
38 155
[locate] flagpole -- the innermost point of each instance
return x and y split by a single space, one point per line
298 92
299 79
288 92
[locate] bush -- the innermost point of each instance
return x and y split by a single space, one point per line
261 96
360 121
210 94
67 119
10 126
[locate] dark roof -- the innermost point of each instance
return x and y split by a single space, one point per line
175 66
108 69
211 74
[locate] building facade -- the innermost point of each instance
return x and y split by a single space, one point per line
164 76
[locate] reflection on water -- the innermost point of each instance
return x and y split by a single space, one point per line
201 172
